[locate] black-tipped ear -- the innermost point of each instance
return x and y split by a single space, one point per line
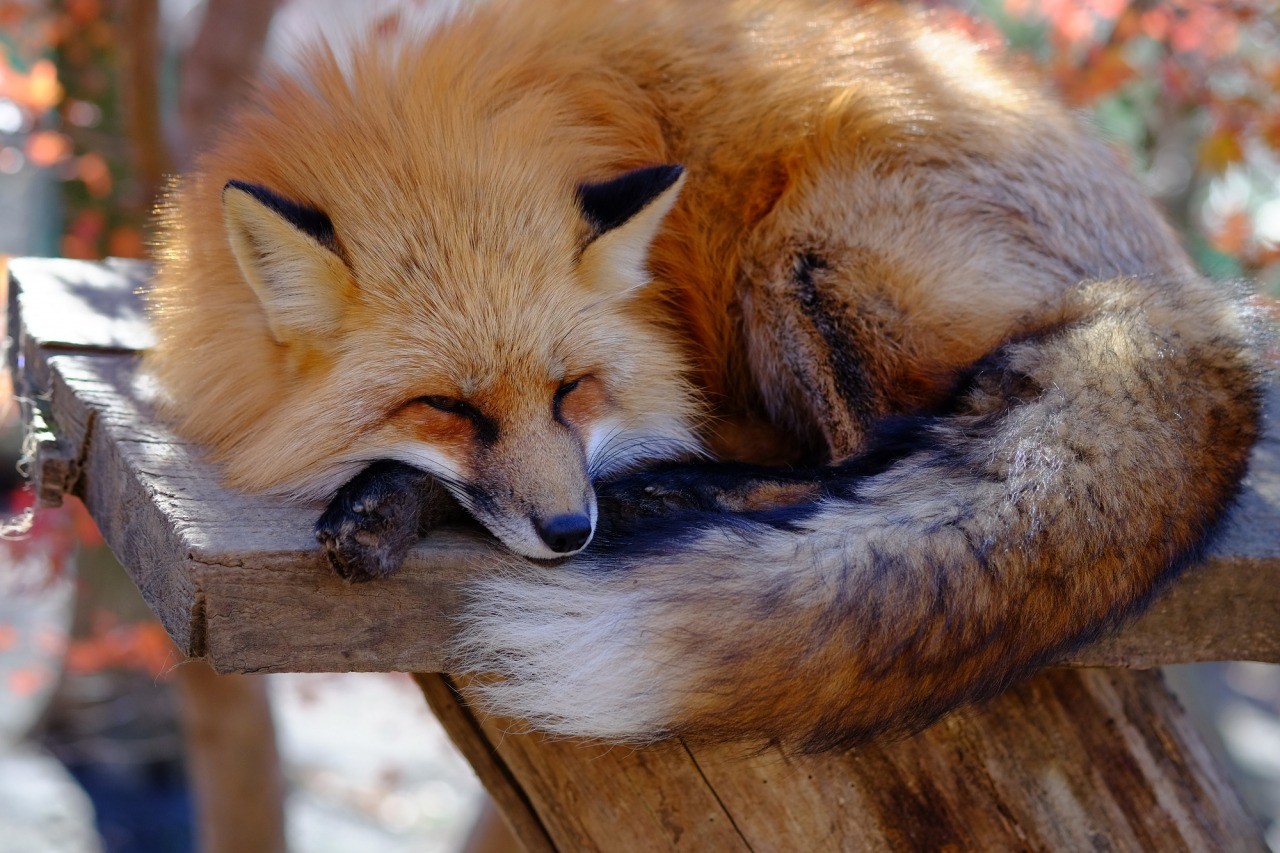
310 221
608 204
624 214
290 256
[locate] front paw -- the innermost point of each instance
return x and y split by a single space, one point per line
372 522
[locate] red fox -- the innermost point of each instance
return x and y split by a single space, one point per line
864 381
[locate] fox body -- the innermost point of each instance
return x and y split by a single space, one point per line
1008 404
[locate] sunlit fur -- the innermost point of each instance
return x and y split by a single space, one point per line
465 277
872 208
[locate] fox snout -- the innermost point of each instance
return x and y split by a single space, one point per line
543 534
565 534
533 492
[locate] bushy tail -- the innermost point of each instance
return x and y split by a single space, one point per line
1077 469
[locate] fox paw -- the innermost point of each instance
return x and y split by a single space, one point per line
373 521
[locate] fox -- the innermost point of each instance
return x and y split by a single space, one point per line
816 372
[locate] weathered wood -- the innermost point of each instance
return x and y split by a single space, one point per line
238 580
232 760
1103 760
605 797
1070 760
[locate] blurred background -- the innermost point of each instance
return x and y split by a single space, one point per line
100 100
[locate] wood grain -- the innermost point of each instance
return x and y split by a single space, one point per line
237 579
1066 761
1069 760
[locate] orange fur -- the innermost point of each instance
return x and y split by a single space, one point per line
381 157
870 208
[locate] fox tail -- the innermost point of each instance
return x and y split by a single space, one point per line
1074 471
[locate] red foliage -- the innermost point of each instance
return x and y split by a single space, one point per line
142 645
1213 60
41 547
70 133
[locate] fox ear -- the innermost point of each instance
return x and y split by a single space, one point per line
290 256
624 214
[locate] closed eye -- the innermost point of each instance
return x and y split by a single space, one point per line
450 405
486 427
564 390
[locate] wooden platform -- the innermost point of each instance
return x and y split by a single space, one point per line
239 582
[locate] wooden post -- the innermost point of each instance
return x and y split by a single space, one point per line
233 766
1070 760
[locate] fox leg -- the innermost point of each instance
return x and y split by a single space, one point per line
707 487
679 489
374 519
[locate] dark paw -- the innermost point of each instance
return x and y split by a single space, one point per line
373 521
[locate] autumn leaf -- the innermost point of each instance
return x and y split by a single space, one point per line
37 90
1220 150
126 242
144 646
1232 236
1104 74
27 681
43 90
47 147
92 168
1270 132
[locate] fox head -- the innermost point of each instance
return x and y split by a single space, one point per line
507 358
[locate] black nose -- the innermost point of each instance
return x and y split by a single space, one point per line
564 533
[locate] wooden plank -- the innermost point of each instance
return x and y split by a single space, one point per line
1069 760
231 760
66 304
238 580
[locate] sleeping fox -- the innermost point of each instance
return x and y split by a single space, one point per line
861 380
